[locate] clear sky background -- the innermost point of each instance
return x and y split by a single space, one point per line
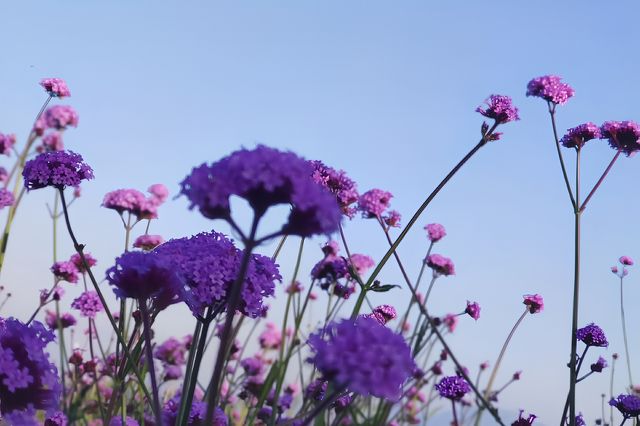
383 90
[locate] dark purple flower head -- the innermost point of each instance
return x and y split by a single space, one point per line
435 232
534 302
592 335
144 276
622 135
88 304
522 421
316 390
339 184
382 314
580 420
436 368
264 177
628 405
473 309
441 265
342 403
374 203
626 260
364 356
57 419
59 117
6 143
56 87
56 168
453 388
209 263
252 366
550 88
171 351
599 365
500 108
28 379
576 137
197 413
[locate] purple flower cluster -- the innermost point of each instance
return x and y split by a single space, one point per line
535 302
29 381
628 405
6 143
148 242
6 198
76 259
196 416
592 335
66 320
383 314
599 365
172 355
88 303
435 232
473 310
364 356
57 168
334 272
339 184
622 135
441 265
500 108
264 177
577 136
374 203
60 117
135 202
550 88
65 270
453 388
56 87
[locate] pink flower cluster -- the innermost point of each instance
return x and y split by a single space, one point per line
134 202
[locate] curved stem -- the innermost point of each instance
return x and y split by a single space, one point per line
624 332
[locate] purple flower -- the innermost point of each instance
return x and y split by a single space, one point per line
271 337
374 202
441 265
500 108
339 184
599 365
550 88
576 137
172 351
65 271
6 198
622 135
628 405
6 143
76 259
364 356
28 380
196 416
473 309
435 232
592 335
52 142
264 177
56 87
66 320
145 276
580 420
159 191
342 403
252 366
522 421
383 314
534 302
316 390
451 322
59 117
148 242
57 419
626 260
57 168
88 304
133 202
361 263
453 388
128 421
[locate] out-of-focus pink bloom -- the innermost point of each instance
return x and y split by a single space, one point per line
6 143
435 232
4 175
148 242
159 191
374 202
65 271
56 87
392 219
451 321
53 142
271 338
614 269
77 261
441 265
6 198
473 309
626 260
361 263
484 365
294 287
534 302
60 117
77 191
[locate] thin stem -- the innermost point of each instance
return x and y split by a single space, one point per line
322 406
455 416
566 404
152 371
187 375
597 185
613 369
552 113
624 332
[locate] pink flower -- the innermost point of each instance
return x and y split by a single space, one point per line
65 271
451 321
6 143
60 117
374 202
473 309
534 302
53 142
441 265
392 219
626 260
159 191
55 87
361 263
271 338
77 261
148 242
435 232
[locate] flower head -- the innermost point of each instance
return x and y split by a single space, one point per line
522 421
60 117
622 135
550 88
52 142
264 177
576 137
339 184
133 202
57 168
148 242
534 302
88 303
628 405
271 337
374 203
364 356
361 263
6 143
56 87
159 191
453 388
592 335
6 198
65 271
626 260
441 265
500 108
76 259
599 365
435 232
66 320
473 309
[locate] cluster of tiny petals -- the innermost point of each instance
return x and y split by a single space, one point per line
453 388
65 271
577 136
339 184
135 202
374 203
383 314
148 241
500 108
76 259
521 421
361 263
435 232
622 135
88 303
626 260
628 405
550 88
6 143
57 168
592 335
473 310
6 198
55 87
535 302
66 320
599 365
440 264
52 141
60 117
264 177
364 356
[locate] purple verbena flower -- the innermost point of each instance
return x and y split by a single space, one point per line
374 203
522 421
435 232
592 335
6 143
56 87
159 191
66 320
88 304
622 135
599 365
441 265
392 219
132 201
128 421
65 271
339 184
60 117
550 88
361 263
626 260
57 419
534 302
271 337
580 420
148 242
76 259
628 405
57 168
473 309
577 136
500 108
6 198
316 390
52 142
453 388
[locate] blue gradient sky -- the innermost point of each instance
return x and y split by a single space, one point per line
384 90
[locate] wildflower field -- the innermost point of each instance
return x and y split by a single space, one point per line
190 282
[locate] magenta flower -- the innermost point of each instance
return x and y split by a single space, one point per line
339 184
441 265
451 322
473 309
534 302
65 271
159 192
592 335
55 87
60 117
577 136
6 198
435 232
550 88
271 337
148 242
392 219
374 202
88 304
66 320
361 263
383 314
453 388
52 142
522 421
58 169
133 202
364 356
599 365
77 261
622 135
500 108
6 143
626 260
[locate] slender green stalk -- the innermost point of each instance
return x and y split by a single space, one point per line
613 369
552 113
576 298
152 371
322 406
624 332
187 375
455 416
566 405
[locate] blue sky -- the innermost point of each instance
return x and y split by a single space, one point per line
384 90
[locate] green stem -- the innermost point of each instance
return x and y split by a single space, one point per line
152 371
624 333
